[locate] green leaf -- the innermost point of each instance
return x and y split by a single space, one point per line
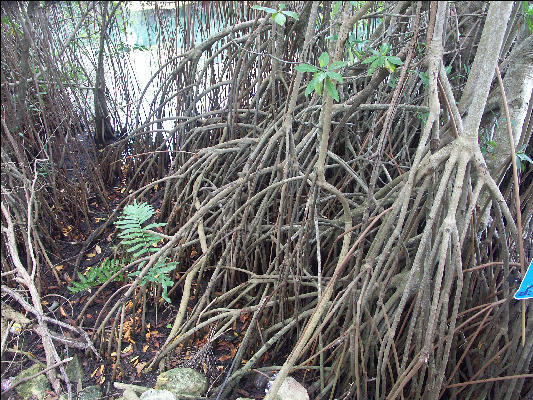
330 87
337 65
318 88
524 157
310 87
323 60
282 6
391 68
370 59
335 76
385 47
424 77
318 78
155 225
266 9
279 18
291 14
306 68
377 63
395 60
350 56
336 7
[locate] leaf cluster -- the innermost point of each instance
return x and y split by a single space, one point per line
97 275
323 76
280 15
140 241
382 59
527 9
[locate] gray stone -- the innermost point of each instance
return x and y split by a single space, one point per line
182 381
34 388
291 389
261 379
129 395
75 371
155 394
90 393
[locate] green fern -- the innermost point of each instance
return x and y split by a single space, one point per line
136 238
97 275
140 242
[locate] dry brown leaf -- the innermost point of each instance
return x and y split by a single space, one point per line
98 371
128 349
139 367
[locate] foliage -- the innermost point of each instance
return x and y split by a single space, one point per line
527 9
382 59
522 157
323 76
97 275
353 46
139 241
425 78
279 15
136 238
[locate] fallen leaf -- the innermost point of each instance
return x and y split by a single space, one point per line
58 267
145 347
98 249
152 334
244 316
231 348
90 255
62 312
128 349
98 371
139 367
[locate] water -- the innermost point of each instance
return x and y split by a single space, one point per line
142 42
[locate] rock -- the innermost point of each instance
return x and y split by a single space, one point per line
90 393
182 381
261 379
34 388
291 389
129 395
155 394
75 371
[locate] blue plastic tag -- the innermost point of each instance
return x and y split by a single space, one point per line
525 291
